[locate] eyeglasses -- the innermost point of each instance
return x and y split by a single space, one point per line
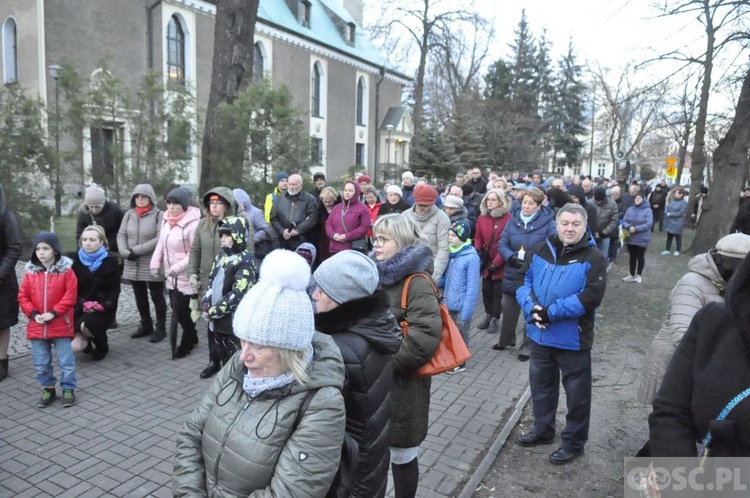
140 196
379 240
215 203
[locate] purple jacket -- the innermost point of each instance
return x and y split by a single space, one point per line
354 215
641 218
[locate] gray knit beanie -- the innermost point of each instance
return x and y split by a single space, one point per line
277 311
346 276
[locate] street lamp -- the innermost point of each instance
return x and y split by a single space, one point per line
389 129
54 72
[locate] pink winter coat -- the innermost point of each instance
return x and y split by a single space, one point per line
173 250
355 215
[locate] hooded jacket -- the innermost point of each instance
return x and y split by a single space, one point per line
434 225
702 284
517 235
606 213
138 237
173 250
234 446
490 226
263 236
462 281
10 252
351 218
569 283
234 271
674 216
710 366
411 395
54 289
207 243
367 335
109 218
640 217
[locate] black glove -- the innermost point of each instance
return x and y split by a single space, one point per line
543 316
515 262
492 268
132 256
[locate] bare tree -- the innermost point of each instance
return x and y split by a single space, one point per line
234 33
730 169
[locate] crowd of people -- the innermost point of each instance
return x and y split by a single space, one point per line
305 303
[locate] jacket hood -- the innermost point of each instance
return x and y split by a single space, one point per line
226 194
369 318
703 264
424 217
540 218
143 189
407 261
577 191
236 226
52 240
60 266
242 199
357 192
738 300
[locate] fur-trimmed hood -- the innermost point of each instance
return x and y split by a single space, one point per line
407 261
59 267
369 318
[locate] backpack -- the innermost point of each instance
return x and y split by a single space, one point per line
346 475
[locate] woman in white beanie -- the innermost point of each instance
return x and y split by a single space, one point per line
400 251
244 437
395 203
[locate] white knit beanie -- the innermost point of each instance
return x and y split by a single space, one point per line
394 189
277 311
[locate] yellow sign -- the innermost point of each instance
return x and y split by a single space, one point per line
671 161
672 172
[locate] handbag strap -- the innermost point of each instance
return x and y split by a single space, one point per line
405 292
703 445
303 407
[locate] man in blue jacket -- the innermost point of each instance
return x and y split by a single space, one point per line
564 283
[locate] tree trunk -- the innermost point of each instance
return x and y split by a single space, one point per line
730 167
698 155
234 33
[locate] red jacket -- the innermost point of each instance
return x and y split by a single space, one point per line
42 291
485 226
356 217
374 213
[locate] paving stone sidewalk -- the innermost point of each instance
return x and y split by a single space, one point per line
118 440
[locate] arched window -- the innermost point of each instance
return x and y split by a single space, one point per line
361 102
316 89
258 63
175 52
10 51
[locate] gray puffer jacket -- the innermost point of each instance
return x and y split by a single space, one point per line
232 445
701 285
138 236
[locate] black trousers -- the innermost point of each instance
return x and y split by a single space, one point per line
181 309
544 380
637 259
141 291
492 297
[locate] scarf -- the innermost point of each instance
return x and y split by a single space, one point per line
140 211
454 250
173 220
254 387
524 218
93 260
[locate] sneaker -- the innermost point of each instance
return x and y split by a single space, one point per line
68 398
638 279
629 278
484 323
676 253
48 396
492 327
665 252
459 368
609 267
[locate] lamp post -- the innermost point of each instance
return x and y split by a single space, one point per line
54 72
389 129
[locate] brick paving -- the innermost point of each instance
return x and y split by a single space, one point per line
118 440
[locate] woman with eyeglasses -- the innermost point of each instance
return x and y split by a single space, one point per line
400 251
136 241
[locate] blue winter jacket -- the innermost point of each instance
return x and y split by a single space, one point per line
674 216
516 235
569 283
462 281
642 219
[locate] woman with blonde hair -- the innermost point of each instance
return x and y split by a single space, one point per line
98 275
400 252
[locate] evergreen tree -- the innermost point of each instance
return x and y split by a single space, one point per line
525 79
566 114
434 155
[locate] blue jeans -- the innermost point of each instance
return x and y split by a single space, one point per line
547 363
603 244
41 350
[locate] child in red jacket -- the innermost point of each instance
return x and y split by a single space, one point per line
47 296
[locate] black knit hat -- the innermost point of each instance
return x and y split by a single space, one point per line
180 196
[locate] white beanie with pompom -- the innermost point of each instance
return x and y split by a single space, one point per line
277 311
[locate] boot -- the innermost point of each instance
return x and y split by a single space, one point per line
485 323
158 334
3 369
214 361
145 329
492 327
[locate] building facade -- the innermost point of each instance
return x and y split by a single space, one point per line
317 48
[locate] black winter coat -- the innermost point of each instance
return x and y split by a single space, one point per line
109 219
102 286
367 335
10 251
709 368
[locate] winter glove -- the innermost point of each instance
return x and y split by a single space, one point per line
543 315
132 256
492 269
195 282
155 272
515 262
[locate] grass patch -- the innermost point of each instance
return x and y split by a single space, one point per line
65 228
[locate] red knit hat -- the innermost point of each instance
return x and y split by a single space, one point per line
364 178
425 194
